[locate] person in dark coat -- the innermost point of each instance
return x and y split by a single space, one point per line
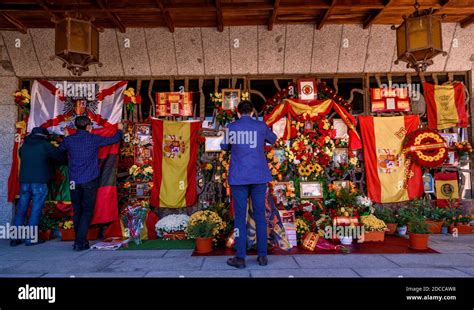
35 155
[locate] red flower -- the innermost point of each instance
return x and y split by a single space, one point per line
138 99
126 99
332 133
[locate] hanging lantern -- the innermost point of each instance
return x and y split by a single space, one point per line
76 43
419 39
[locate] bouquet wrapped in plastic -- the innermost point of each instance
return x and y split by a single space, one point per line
133 216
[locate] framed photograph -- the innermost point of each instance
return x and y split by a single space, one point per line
208 124
451 138
307 89
230 98
279 127
213 144
143 149
340 127
341 156
143 155
311 190
341 184
280 154
428 183
452 159
142 190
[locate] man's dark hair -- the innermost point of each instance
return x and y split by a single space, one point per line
81 122
245 107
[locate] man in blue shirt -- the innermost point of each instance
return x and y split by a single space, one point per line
248 176
83 150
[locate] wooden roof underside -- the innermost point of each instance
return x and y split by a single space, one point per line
122 14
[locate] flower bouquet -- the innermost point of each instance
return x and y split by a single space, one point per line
133 216
22 100
463 148
130 99
172 227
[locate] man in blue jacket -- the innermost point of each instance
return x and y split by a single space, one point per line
83 149
248 176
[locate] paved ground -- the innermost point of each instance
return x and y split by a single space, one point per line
56 259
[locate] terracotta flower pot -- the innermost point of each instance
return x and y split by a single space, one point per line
45 235
392 228
175 235
419 241
374 236
92 233
434 226
461 229
67 234
203 245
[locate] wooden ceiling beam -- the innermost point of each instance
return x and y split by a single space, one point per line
326 15
112 16
467 21
220 18
369 21
166 15
15 22
272 19
45 7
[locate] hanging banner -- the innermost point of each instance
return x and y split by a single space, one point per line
389 99
175 150
446 187
385 163
174 104
446 106
55 105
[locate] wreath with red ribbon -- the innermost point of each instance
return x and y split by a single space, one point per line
426 147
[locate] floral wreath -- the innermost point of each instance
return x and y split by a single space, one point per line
426 147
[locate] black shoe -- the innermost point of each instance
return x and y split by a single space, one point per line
80 248
35 243
15 242
262 260
236 262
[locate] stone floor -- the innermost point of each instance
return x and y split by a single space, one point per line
56 259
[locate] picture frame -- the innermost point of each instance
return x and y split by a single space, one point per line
230 98
307 89
340 156
174 104
450 138
213 143
428 183
340 184
279 127
143 150
311 190
279 192
452 159
390 99
340 127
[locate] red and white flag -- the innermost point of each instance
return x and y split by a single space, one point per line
56 104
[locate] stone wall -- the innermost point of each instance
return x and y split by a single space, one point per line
247 50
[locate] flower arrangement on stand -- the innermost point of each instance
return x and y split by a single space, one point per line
22 100
172 227
203 226
130 99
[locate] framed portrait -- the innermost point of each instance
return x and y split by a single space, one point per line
311 190
208 124
213 144
142 190
340 127
341 156
230 98
341 184
307 89
428 183
451 138
452 159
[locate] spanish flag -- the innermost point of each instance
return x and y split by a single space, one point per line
175 155
445 105
388 179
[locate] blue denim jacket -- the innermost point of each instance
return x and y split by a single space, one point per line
246 138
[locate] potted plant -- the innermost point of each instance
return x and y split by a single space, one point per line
203 226
46 227
461 224
418 232
374 228
402 216
435 219
67 230
172 227
388 216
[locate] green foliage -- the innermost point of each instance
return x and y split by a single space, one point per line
387 215
403 215
202 230
47 223
417 224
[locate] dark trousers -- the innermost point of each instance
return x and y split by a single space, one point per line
83 202
240 195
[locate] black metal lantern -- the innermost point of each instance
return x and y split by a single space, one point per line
419 39
76 43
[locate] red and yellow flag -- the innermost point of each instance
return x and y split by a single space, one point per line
385 163
445 105
174 166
